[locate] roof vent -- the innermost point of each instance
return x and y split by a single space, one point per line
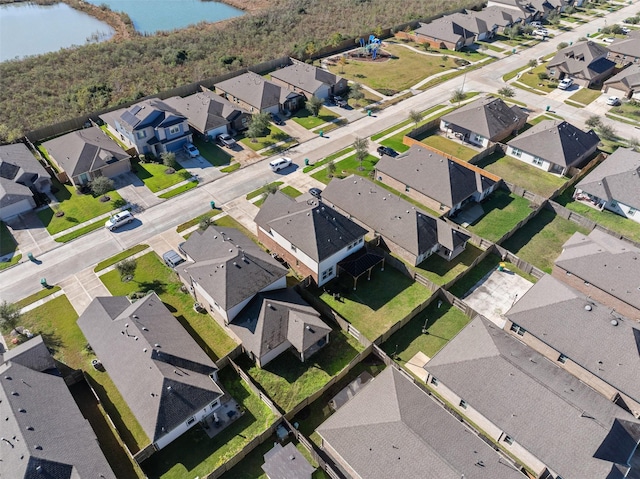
614 322
38 447
144 328
157 345
587 307
169 388
24 410
30 428
14 393
135 316
144 350
230 250
8 378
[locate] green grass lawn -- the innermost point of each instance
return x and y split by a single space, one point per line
14 260
347 167
194 454
502 212
212 152
443 323
291 191
8 244
80 232
585 96
628 110
327 159
376 304
521 174
119 257
77 208
231 168
407 122
440 271
179 190
540 241
450 147
396 74
272 135
154 177
195 221
43 293
152 275
262 190
530 78
288 381
303 118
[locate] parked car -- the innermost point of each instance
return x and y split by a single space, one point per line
385 150
119 219
625 30
613 101
172 258
225 139
317 192
276 119
608 40
542 32
339 101
565 83
536 24
191 150
279 164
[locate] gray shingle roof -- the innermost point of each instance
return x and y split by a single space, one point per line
273 317
43 432
496 15
306 77
444 29
608 263
228 265
488 116
626 46
616 178
391 428
556 141
84 151
256 90
315 229
549 412
470 22
152 112
555 314
630 77
392 217
16 160
286 463
587 59
444 180
158 368
11 192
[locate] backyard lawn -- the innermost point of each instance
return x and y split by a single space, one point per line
212 152
503 211
194 454
287 380
154 177
540 241
376 304
440 271
347 167
272 136
450 147
442 324
521 174
303 118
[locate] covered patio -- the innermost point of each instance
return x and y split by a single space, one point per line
359 263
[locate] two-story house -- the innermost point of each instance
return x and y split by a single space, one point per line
585 62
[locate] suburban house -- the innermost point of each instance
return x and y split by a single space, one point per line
522 8
225 270
603 267
166 379
498 18
474 24
443 33
256 94
275 321
590 340
309 80
81 156
408 232
21 175
483 121
311 236
540 414
614 184
286 463
625 84
150 126
585 62
625 50
554 146
44 434
442 184
391 428
210 114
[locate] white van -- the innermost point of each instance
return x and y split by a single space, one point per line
279 164
119 219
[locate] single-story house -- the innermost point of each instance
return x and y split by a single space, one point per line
210 114
311 236
392 428
554 145
442 184
497 18
443 33
585 62
614 184
408 232
625 50
605 268
522 8
275 321
286 463
150 126
44 434
625 84
225 270
309 80
83 155
474 24
542 415
21 175
166 379
484 120
256 94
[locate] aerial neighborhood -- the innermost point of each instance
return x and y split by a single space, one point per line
411 254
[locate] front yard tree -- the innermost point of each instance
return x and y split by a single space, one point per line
415 116
606 132
257 125
507 92
593 121
169 160
361 145
9 316
127 268
356 93
532 63
313 105
562 45
458 95
102 185
331 168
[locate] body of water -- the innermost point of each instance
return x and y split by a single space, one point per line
151 16
29 29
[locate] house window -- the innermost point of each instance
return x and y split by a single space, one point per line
293 248
632 211
327 273
214 404
519 330
434 381
537 161
174 129
191 420
508 440
463 404
141 134
516 152
614 204
562 359
406 188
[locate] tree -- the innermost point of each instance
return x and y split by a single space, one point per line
507 92
361 145
562 45
127 268
169 160
257 125
532 63
634 144
458 95
415 116
342 61
313 105
606 132
204 223
102 185
336 39
594 121
9 316
356 93
269 189
331 167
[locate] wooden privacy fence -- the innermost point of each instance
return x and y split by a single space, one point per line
247 379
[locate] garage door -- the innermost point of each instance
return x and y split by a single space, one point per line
15 209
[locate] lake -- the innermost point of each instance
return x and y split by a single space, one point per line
151 16
28 29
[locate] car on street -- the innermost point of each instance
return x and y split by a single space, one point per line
385 150
119 219
279 163
191 150
276 119
613 101
565 83
541 32
172 258
317 192
226 139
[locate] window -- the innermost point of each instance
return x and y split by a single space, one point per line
293 248
508 439
463 404
434 381
141 134
562 359
327 273
406 188
537 161
516 152
519 330
214 404
174 129
614 204
632 211
191 420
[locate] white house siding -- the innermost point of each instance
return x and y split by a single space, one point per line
26 204
183 427
333 261
623 210
529 159
323 91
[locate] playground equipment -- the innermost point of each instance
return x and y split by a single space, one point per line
371 46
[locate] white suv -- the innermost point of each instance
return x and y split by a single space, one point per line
117 220
565 83
279 164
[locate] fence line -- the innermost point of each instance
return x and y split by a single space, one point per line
247 379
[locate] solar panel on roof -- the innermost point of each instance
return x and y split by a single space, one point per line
135 109
128 118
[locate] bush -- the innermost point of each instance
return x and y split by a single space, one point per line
562 45
543 76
